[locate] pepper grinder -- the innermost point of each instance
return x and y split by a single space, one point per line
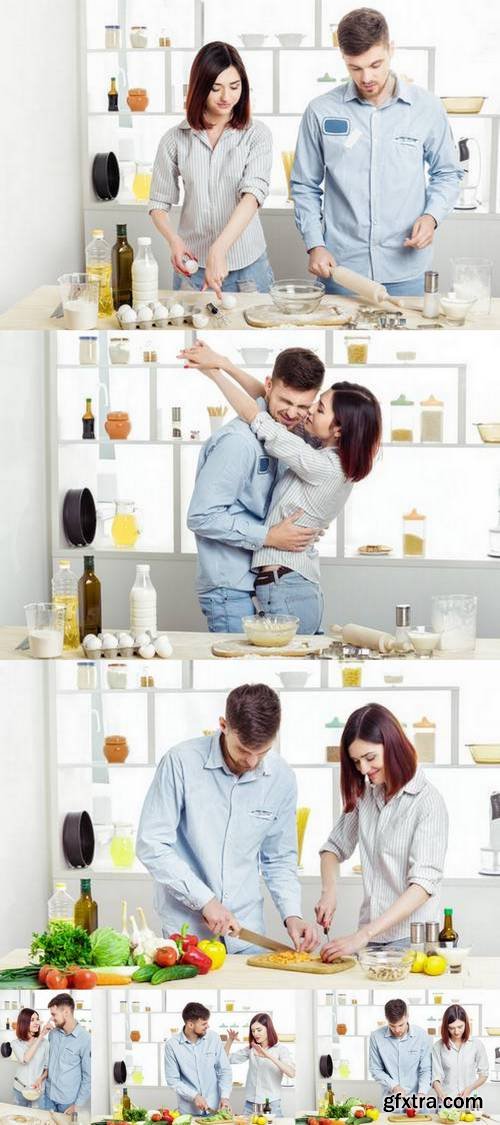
403 623
431 307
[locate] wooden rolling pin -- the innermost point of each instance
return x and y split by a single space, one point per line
363 637
372 291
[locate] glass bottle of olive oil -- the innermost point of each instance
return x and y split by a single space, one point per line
89 599
86 908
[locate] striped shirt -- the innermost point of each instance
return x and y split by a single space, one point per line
455 1068
214 179
264 1079
313 481
401 843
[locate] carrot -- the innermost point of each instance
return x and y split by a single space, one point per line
111 978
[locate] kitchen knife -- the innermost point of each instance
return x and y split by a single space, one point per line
264 942
58 312
23 645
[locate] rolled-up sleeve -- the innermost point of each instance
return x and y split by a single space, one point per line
257 171
164 191
278 855
437 1065
481 1058
429 844
445 174
157 836
306 181
343 836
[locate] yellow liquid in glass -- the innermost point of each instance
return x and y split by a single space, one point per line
101 271
288 158
122 851
137 1077
124 530
302 817
71 630
141 186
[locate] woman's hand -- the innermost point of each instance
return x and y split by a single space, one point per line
202 356
256 1047
177 249
49 1026
232 1036
37 1084
343 946
215 270
325 908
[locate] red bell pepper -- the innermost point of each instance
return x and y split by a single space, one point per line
196 957
184 941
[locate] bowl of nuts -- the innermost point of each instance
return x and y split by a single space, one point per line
385 965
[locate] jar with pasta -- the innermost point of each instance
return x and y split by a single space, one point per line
357 348
402 419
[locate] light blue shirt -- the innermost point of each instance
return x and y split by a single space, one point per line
68 1082
205 832
402 1062
358 180
197 1068
230 501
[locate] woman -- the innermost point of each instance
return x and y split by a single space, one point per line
399 821
346 424
268 1061
459 1063
31 1049
224 161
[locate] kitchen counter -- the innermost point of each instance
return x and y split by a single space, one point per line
479 973
40 1115
35 311
198 646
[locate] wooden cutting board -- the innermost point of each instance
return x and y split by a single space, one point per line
261 961
401 1117
242 647
269 316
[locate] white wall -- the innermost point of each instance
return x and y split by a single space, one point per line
41 230
23 501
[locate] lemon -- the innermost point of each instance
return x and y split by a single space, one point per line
419 961
435 965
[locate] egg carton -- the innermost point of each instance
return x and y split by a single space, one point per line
156 322
141 641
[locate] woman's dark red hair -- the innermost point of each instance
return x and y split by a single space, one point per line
210 61
454 1012
357 412
23 1024
266 1021
374 723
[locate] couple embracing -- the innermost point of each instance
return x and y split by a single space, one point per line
270 482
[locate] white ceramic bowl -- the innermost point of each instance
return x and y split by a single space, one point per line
253 42
255 356
456 956
424 643
456 310
290 40
291 680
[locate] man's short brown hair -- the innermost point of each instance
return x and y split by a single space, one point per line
395 1010
361 29
62 1000
254 712
299 368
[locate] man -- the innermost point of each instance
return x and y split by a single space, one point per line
400 1055
219 813
196 1065
358 180
232 492
67 1089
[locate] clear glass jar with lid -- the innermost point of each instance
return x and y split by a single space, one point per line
119 349
414 534
357 348
139 35
112 36
122 847
87 351
431 419
424 739
402 419
335 727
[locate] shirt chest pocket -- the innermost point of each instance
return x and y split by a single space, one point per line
260 822
68 1060
408 148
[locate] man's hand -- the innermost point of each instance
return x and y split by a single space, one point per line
325 908
200 1102
304 936
71 1109
201 355
224 1103
218 919
215 269
321 262
287 536
177 249
343 946
422 234
399 1090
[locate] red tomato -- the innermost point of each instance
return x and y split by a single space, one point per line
359 1113
83 978
42 975
165 957
156 1116
411 1112
56 980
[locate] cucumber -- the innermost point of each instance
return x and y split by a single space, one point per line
145 973
175 972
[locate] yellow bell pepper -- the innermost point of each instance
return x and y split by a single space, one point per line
214 949
373 1113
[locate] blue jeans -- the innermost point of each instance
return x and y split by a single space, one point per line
414 287
20 1099
249 1107
224 609
57 1107
258 272
296 595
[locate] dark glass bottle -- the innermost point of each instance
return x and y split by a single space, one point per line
89 599
113 96
122 257
86 908
448 935
88 420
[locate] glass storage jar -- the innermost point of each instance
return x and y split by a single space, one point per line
87 351
402 419
414 534
357 348
139 35
424 739
119 349
112 36
122 847
454 616
431 419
